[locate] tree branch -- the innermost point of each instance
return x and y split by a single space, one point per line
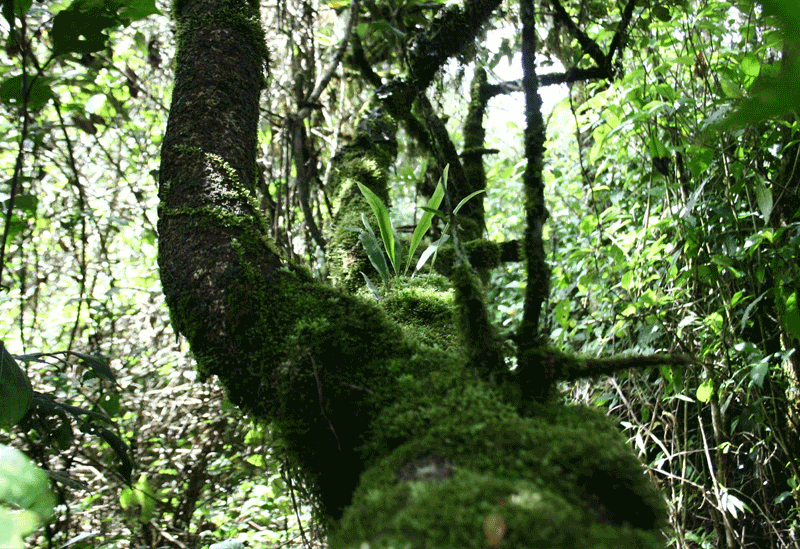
589 46
549 79
451 32
617 42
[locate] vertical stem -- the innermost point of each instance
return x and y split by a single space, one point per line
538 272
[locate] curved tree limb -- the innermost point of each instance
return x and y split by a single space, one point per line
602 61
617 42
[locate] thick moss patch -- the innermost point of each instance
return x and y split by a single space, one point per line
567 481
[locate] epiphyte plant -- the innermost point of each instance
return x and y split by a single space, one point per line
391 243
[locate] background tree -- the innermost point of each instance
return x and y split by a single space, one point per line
602 301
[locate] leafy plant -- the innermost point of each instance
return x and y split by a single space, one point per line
391 242
29 409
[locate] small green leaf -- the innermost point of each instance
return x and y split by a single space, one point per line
661 12
135 10
764 199
141 494
24 202
750 65
627 280
561 312
705 390
759 372
256 460
127 498
110 404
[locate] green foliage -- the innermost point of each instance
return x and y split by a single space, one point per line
773 95
702 258
425 221
385 225
26 499
391 243
140 495
83 26
667 235
374 252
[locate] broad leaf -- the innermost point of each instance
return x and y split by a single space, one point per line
764 199
705 390
16 392
99 366
36 92
24 484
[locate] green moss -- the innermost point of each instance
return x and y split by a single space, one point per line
565 480
423 306
479 337
240 16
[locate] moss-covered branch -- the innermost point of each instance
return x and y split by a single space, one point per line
560 366
536 214
401 419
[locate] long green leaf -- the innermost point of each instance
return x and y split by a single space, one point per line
425 221
373 249
371 287
398 249
466 199
384 223
429 251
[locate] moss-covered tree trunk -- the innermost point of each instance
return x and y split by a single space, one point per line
410 432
